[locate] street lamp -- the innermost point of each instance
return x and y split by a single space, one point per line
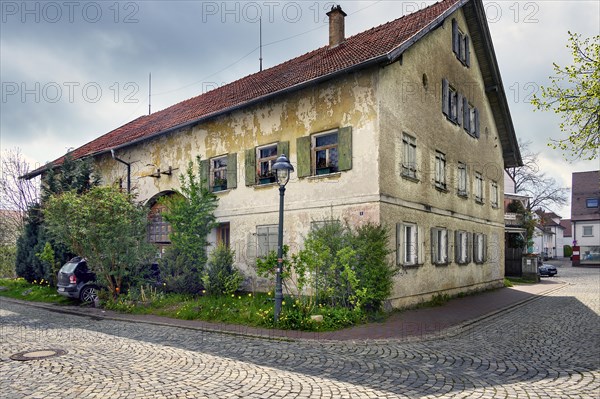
282 168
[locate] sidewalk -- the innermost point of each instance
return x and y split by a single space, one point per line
418 324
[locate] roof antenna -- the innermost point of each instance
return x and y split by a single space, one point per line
260 40
149 93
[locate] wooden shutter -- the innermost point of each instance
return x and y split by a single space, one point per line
467 52
455 43
445 107
466 115
399 246
283 147
345 148
303 155
250 166
433 245
232 170
469 247
484 248
457 247
205 173
419 251
477 134
446 259
459 109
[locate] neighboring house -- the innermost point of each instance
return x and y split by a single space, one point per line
585 215
9 222
548 235
567 235
406 124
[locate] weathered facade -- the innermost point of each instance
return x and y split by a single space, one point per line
415 137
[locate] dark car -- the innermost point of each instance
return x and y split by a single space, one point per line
547 270
76 281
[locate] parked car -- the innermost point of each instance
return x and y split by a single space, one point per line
76 281
547 270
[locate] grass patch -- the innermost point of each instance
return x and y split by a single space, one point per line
36 292
518 280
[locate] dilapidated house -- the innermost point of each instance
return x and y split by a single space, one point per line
406 124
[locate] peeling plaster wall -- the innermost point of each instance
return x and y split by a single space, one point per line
411 102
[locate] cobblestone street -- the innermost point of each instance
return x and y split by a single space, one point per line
545 348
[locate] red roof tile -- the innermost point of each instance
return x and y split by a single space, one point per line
372 44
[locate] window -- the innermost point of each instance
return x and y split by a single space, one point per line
494 195
223 234
440 170
409 158
460 44
588 231
265 158
461 247
439 246
462 180
325 153
259 162
220 172
158 228
407 244
458 110
591 203
266 240
479 247
479 187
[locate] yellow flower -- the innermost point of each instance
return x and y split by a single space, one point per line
250 294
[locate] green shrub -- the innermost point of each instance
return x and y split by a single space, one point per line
220 277
177 275
8 255
567 251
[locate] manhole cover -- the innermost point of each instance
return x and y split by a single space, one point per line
38 354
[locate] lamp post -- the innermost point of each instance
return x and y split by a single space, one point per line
283 168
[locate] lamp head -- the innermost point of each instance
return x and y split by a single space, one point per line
283 168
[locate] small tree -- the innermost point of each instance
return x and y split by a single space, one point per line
220 276
191 215
105 226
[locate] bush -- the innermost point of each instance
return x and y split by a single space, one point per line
178 274
567 251
8 255
220 277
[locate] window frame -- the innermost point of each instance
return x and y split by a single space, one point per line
479 248
494 194
462 243
271 242
221 171
269 160
479 188
440 170
439 246
462 188
591 231
407 244
409 156
593 201
327 147
460 44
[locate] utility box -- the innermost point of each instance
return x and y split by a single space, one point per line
530 268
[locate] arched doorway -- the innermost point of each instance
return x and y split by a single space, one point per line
158 228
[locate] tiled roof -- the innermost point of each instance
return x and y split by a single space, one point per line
376 44
566 224
585 185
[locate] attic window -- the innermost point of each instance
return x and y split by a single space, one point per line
591 203
460 44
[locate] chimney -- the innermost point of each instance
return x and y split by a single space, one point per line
336 26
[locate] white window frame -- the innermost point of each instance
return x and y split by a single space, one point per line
409 156
440 170
479 187
407 240
479 248
268 161
218 170
327 148
266 239
590 232
439 246
461 246
462 189
494 194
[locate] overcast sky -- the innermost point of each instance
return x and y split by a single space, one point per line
72 71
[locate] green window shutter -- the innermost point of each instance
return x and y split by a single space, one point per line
303 155
232 170
459 109
283 147
205 172
250 166
455 43
345 148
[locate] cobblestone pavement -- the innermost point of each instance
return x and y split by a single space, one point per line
546 348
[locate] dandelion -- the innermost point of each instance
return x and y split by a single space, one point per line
250 294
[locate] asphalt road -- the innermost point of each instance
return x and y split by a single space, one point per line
546 348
